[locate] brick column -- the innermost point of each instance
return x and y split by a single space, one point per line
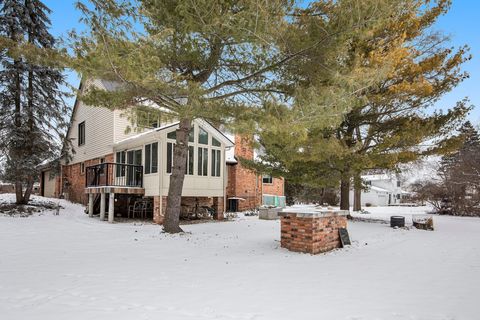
219 209
312 232
159 209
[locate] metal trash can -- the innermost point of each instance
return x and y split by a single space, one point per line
397 221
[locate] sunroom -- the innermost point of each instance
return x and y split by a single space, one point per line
142 167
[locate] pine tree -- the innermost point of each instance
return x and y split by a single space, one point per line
203 59
32 116
460 173
386 122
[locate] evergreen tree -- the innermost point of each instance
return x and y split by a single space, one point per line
460 173
386 123
32 114
203 59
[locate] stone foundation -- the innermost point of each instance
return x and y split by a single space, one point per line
314 232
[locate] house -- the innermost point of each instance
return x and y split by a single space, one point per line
112 167
381 190
246 189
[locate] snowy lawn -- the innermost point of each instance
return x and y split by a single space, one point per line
74 267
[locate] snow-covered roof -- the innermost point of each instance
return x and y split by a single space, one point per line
375 177
144 134
221 136
374 188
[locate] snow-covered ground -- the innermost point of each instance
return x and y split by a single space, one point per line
74 267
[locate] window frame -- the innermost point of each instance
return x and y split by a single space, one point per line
202 161
151 166
216 163
268 177
81 133
82 168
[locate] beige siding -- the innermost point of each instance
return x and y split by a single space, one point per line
49 184
121 123
98 132
98 128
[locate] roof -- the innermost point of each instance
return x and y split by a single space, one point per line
377 189
374 177
221 136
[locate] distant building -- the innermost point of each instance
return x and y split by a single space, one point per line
382 190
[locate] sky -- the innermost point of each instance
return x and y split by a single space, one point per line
461 23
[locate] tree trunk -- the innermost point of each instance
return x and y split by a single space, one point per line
28 190
345 194
19 192
357 193
171 224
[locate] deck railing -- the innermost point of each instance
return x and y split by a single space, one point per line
114 174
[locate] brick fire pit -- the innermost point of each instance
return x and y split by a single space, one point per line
312 232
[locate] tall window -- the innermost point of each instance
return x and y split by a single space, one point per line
120 158
81 133
189 168
216 161
202 161
151 158
170 147
267 179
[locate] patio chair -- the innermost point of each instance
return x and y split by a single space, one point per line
136 209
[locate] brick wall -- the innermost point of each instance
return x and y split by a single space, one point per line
311 234
246 184
275 188
242 182
74 180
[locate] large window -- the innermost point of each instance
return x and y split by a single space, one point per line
216 162
202 161
190 154
151 158
81 133
120 158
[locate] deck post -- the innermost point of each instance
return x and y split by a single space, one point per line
102 206
111 204
90 205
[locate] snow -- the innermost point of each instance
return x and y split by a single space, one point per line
71 266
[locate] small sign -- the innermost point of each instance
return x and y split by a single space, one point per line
344 237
